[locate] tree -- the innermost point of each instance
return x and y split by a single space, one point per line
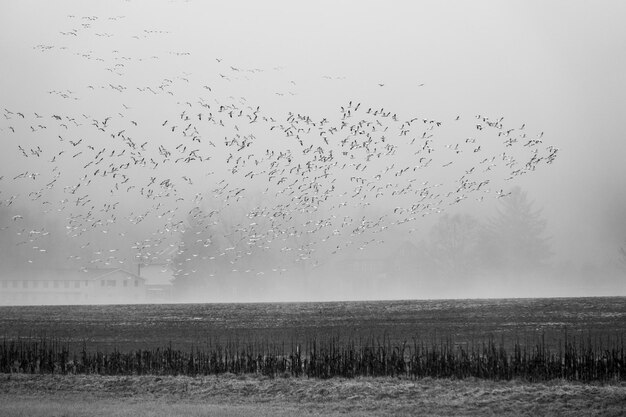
515 238
454 242
190 259
222 251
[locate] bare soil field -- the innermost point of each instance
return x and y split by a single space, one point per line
149 326
242 396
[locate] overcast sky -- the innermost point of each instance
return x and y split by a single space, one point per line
557 67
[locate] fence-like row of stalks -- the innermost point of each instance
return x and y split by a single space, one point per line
576 360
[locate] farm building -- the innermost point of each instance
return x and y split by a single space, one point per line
87 286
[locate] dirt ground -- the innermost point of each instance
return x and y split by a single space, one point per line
243 396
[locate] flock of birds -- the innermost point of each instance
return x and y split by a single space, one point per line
189 174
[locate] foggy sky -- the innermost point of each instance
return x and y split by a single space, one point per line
555 67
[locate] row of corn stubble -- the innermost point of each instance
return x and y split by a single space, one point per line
579 359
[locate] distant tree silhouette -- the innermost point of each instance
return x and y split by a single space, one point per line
191 256
622 255
515 238
216 256
453 244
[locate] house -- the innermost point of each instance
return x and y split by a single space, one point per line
117 286
69 286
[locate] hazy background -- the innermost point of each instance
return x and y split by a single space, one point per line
555 67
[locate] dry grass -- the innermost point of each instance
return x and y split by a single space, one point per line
230 395
35 407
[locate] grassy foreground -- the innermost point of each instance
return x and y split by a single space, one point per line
241 396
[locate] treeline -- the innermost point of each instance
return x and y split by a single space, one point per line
574 360
514 240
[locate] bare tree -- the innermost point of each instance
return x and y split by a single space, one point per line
453 244
221 250
622 255
516 236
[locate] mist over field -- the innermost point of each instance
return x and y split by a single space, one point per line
181 151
